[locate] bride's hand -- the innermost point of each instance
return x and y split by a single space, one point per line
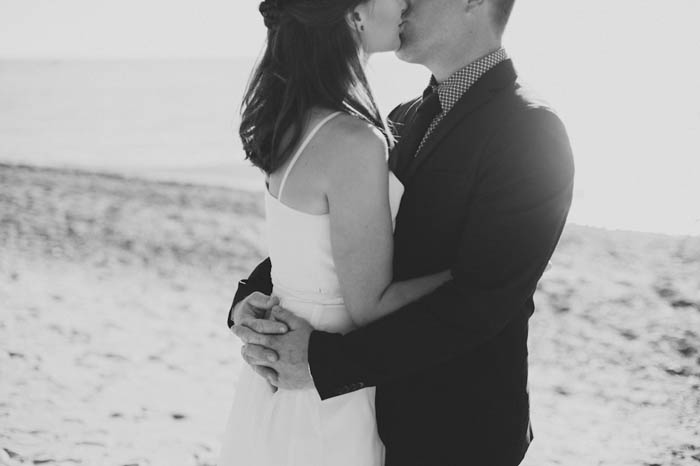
254 311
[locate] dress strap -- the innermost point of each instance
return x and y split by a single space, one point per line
301 148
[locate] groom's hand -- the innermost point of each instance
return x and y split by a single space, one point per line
293 372
282 359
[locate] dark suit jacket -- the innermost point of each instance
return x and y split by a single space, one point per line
487 197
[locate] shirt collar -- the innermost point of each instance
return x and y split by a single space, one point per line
454 87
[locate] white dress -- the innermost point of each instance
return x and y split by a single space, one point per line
294 427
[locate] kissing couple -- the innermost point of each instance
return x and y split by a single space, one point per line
389 325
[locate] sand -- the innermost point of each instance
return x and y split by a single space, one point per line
113 348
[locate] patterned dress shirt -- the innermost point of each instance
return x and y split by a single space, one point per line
454 87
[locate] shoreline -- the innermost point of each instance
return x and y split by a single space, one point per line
175 176
208 178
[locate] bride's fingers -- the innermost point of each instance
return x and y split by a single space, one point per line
249 336
265 326
262 301
257 355
292 321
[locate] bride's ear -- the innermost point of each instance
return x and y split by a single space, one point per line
355 20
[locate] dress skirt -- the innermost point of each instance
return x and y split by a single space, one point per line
270 427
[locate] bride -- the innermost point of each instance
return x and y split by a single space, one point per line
311 124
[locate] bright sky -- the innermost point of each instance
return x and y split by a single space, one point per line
129 28
623 74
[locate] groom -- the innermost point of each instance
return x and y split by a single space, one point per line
488 176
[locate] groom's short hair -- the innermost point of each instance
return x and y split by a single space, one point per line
502 9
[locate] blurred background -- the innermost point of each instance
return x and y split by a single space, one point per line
128 213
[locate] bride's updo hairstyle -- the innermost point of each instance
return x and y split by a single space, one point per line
311 59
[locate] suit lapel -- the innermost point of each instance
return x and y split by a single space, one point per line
483 90
400 121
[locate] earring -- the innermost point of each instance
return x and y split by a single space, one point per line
357 18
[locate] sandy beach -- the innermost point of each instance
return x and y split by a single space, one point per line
113 348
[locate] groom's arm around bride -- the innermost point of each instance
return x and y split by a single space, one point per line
451 368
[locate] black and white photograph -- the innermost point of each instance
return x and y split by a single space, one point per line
349 233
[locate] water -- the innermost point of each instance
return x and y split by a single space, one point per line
635 135
174 119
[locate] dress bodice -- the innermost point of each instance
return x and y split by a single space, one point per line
304 276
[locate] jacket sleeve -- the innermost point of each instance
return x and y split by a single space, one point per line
512 226
259 280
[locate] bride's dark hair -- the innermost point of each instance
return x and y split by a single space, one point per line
311 59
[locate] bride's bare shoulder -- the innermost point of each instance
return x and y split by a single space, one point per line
354 159
353 129
352 142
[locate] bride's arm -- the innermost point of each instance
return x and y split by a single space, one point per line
361 232
399 294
